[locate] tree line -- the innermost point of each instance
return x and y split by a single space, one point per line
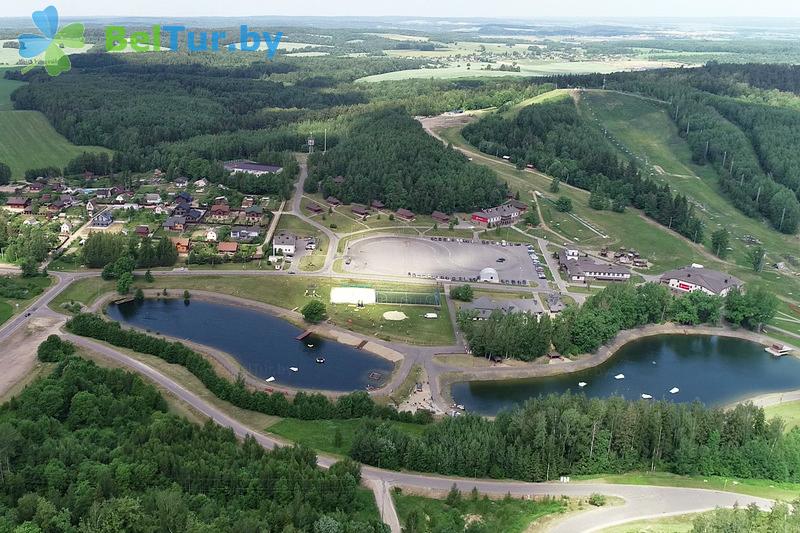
304 406
102 249
88 449
575 435
617 307
387 156
554 137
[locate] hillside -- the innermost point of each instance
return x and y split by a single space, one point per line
28 141
642 129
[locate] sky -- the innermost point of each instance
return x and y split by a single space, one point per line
527 9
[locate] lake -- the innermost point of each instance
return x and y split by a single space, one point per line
263 344
714 370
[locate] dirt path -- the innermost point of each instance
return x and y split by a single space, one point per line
18 356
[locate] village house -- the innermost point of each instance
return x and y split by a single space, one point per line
254 214
211 235
90 207
243 233
332 200
152 199
249 167
338 180
502 215
377 204
483 307
517 204
219 212
104 193
315 208
228 248
103 220
175 223
183 197
581 269
359 210
182 244
36 186
285 243
17 203
182 182
66 229
248 201
200 184
440 217
405 214
142 231
697 278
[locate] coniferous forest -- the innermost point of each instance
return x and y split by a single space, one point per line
94 450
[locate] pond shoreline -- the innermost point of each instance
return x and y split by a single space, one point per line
229 363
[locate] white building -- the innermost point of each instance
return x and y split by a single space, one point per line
285 243
211 235
696 278
489 275
66 228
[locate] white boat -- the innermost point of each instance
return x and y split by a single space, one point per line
320 360
619 376
674 390
270 379
646 397
581 384
310 345
293 368
460 407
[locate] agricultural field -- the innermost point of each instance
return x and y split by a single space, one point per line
10 56
6 88
642 129
27 140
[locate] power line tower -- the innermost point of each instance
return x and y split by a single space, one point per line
311 143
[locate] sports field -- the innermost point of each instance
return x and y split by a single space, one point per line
27 140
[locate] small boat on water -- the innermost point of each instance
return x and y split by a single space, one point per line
674 390
619 376
320 360
293 368
270 379
646 397
581 384
460 407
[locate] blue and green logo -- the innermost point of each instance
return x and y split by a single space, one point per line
48 49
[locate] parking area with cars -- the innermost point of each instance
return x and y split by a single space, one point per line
452 259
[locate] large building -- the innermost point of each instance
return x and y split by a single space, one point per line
502 215
249 167
284 243
580 268
696 278
483 307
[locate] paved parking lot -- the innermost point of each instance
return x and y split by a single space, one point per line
428 257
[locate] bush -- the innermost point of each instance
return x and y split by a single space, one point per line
564 204
314 311
462 292
53 349
596 499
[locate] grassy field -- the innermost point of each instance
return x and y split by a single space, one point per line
6 88
27 140
787 318
321 434
289 292
508 515
460 69
11 306
753 487
788 411
643 129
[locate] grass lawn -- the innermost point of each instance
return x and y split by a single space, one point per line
6 311
289 292
754 487
11 306
788 411
27 140
787 318
668 524
321 434
507 515
644 128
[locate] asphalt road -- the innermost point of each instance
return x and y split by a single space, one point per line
640 501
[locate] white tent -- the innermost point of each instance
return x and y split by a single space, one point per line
352 295
489 275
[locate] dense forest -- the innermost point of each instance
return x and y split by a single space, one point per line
617 307
747 133
304 406
94 450
572 435
387 156
553 137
